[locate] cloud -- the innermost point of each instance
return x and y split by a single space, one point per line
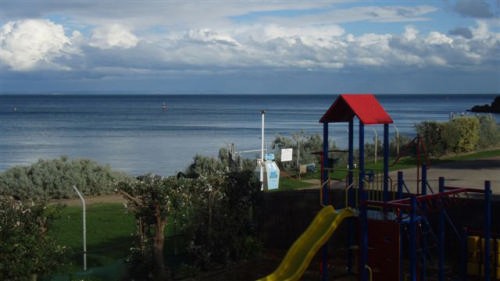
115 51
33 43
383 13
207 36
461 31
95 42
473 8
112 36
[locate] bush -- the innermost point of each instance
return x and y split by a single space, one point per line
53 179
213 213
432 134
228 161
219 222
26 249
306 146
398 145
461 134
489 132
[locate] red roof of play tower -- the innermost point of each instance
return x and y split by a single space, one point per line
364 106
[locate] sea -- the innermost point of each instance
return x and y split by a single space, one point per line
161 134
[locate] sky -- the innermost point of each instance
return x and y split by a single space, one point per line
250 47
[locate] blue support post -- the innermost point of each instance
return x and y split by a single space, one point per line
441 232
487 230
324 176
399 195
386 163
351 198
413 239
324 179
401 261
363 211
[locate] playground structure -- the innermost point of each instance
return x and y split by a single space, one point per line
305 247
392 236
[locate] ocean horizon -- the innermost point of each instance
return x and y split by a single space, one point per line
161 134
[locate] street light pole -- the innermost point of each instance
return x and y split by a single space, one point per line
263 113
84 231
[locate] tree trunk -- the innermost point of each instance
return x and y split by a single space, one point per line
161 271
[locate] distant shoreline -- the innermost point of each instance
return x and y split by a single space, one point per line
494 107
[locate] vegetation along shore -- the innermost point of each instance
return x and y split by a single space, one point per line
196 225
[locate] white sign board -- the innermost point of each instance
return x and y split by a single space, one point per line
286 154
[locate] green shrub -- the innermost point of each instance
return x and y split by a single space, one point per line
398 144
25 248
461 134
489 132
432 134
55 178
213 214
306 145
227 161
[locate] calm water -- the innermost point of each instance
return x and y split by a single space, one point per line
134 134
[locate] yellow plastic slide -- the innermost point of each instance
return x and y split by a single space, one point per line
299 256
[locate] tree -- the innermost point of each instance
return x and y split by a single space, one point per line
26 249
221 226
153 199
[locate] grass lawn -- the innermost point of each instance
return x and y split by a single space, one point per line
469 156
109 232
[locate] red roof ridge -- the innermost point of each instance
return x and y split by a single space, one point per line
364 106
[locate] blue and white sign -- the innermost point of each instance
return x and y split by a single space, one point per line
273 175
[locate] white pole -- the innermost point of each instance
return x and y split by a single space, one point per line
84 219
397 140
298 156
263 113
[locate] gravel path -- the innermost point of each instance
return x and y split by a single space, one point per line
467 173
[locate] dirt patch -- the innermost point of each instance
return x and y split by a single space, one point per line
112 198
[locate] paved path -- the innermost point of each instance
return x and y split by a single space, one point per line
467 173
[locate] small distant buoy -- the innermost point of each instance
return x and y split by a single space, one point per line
164 107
